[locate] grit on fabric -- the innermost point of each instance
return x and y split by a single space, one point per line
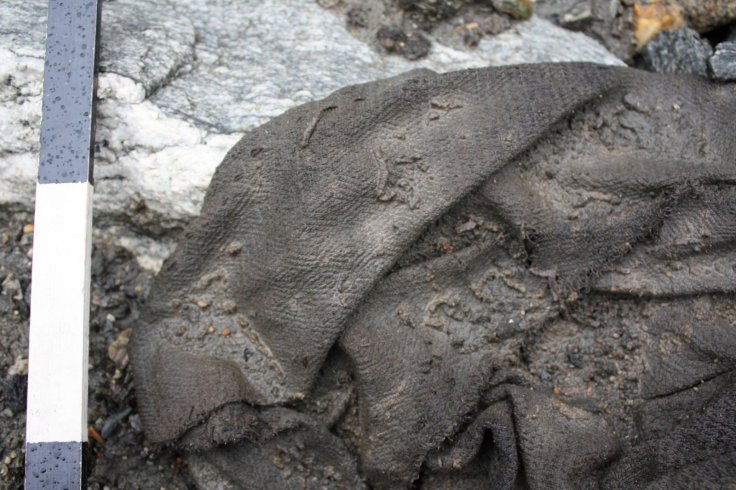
516 276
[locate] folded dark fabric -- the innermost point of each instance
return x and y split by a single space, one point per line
495 278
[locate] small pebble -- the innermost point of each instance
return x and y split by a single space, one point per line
575 359
234 248
577 17
472 34
679 51
229 306
520 9
635 102
11 286
357 17
28 228
465 227
19 367
723 62
112 423
118 349
6 305
412 46
431 9
652 19
135 422
15 388
495 24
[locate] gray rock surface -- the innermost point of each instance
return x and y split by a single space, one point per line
678 51
281 55
723 62
161 49
608 21
183 81
704 15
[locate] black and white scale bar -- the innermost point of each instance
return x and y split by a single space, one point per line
56 423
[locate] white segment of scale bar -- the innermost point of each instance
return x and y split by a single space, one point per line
59 331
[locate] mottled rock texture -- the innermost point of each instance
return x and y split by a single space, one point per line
723 61
707 14
678 51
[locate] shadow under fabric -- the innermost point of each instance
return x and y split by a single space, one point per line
495 278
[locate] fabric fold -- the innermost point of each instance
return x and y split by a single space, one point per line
366 268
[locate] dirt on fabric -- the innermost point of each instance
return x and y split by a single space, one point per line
530 266
575 357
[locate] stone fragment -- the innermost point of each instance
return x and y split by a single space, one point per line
7 307
234 248
11 287
495 24
520 9
611 22
680 51
577 17
472 34
651 19
357 17
704 15
723 62
433 9
135 422
15 390
113 422
117 351
19 367
411 45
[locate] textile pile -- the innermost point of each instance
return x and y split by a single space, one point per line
516 276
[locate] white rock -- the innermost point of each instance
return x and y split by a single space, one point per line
183 83
19 367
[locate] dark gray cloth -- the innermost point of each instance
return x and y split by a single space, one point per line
505 277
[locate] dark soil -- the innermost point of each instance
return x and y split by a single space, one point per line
119 288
